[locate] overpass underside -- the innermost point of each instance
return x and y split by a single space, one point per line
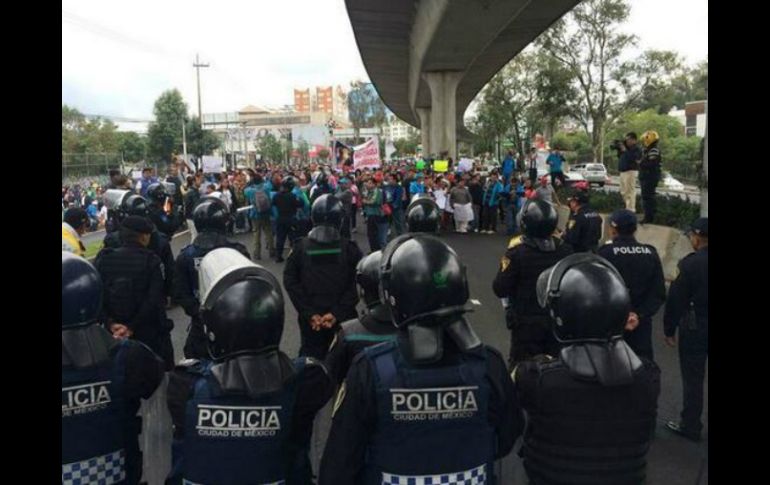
428 59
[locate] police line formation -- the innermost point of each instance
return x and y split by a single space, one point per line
419 398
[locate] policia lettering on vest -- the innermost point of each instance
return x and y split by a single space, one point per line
245 414
434 405
103 381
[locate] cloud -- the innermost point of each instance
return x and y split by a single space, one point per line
122 55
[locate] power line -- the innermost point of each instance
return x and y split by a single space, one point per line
117 118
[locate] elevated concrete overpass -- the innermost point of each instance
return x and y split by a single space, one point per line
428 59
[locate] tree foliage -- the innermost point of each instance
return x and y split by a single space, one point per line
365 107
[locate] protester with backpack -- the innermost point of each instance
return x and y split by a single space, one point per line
258 195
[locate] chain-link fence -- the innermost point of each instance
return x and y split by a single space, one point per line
76 167
84 165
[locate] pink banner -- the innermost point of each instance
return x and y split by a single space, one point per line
367 155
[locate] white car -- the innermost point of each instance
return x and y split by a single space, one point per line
594 173
570 177
670 183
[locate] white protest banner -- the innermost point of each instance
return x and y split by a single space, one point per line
212 164
465 165
367 155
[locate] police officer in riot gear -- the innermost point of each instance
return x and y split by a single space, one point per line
591 408
423 214
584 227
166 219
374 326
641 269
135 304
210 217
320 278
687 311
136 205
245 416
526 257
649 173
103 380
435 403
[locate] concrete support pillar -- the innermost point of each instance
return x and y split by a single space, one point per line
443 130
424 114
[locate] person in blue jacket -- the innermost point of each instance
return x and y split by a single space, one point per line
508 167
490 200
417 186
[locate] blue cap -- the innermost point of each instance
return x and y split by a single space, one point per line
700 226
623 218
420 175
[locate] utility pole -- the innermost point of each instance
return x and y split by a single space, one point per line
197 67
184 143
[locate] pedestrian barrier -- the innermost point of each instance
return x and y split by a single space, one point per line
672 245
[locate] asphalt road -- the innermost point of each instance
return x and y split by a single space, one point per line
672 460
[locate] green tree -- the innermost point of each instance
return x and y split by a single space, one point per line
507 107
555 90
199 141
589 45
365 107
324 154
132 146
407 146
270 148
165 133
82 135
303 147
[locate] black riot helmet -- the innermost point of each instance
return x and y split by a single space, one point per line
327 211
421 276
134 205
423 214
81 291
211 214
368 279
242 304
538 219
156 193
289 183
586 297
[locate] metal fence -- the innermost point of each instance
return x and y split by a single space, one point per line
77 166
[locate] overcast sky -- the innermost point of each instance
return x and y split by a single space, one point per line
119 56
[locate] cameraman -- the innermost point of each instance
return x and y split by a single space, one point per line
628 164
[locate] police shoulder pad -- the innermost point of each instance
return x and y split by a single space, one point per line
515 241
194 366
308 362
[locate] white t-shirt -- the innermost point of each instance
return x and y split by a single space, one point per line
440 196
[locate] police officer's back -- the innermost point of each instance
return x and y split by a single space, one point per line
436 403
210 217
245 417
592 407
103 380
320 277
136 205
642 271
374 326
166 222
687 313
526 257
584 227
134 294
